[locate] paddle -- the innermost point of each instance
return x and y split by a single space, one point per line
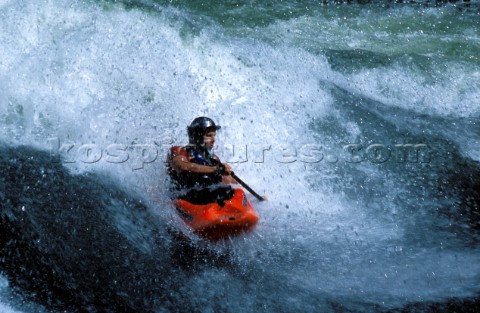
241 182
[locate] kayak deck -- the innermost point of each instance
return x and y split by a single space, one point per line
219 219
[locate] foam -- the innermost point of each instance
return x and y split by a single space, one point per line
4 306
7 309
396 34
455 94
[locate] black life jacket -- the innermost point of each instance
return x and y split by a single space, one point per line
187 180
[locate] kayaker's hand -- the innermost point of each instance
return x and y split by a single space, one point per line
221 169
228 169
224 169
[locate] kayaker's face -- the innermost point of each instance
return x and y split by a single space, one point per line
209 139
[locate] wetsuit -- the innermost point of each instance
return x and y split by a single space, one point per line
194 187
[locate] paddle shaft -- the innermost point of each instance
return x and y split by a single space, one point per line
241 182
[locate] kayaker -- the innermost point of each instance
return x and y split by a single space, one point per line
197 174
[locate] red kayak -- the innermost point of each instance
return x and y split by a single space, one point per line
215 221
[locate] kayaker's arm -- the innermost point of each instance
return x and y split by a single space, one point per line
180 163
228 180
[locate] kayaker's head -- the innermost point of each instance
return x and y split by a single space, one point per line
202 132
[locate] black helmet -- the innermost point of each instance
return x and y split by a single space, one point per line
198 128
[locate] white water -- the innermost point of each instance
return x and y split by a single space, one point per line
10 303
92 76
